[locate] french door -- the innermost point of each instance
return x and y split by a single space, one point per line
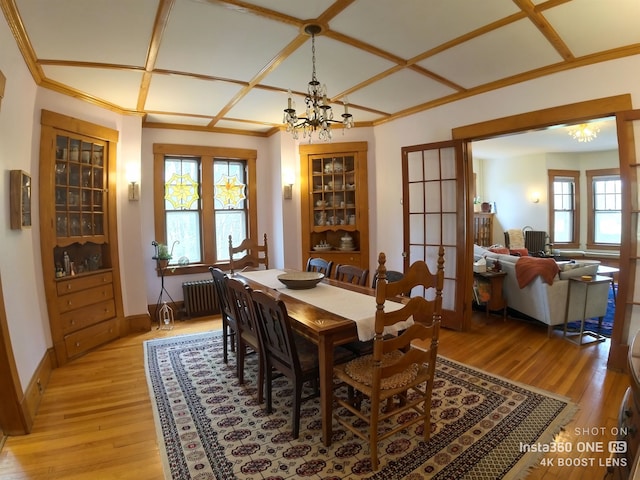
627 314
435 213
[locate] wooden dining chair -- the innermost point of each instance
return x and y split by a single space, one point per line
229 324
287 352
352 274
248 335
399 374
392 276
320 265
359 347
254 254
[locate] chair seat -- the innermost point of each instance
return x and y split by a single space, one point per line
422 375
361 370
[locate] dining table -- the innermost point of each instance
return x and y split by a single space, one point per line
332 313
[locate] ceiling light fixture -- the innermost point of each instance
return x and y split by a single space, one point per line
319 115
584 132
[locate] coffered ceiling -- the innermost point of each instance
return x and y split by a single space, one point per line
226 65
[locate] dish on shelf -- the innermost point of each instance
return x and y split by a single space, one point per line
322 248
301 280
347 249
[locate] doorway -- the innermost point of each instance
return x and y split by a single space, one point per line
513 170
567 114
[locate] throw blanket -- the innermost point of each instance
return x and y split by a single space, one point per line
528 268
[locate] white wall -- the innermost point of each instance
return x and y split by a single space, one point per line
20 260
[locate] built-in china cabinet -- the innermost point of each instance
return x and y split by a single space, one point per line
335 223
79 234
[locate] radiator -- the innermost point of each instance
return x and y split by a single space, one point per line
535 241
200 298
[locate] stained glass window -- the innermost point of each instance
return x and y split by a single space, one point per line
182 207
205 199
230 204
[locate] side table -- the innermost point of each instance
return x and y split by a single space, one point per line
582 283
496 299
609 272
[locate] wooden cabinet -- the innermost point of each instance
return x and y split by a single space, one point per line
483 229
335 223
78 234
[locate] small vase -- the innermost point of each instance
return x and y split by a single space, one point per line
163 263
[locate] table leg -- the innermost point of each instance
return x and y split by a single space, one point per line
325 357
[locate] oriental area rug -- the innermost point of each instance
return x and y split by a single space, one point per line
210 427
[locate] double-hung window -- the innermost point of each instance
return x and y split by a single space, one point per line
605 207
202 195
564 206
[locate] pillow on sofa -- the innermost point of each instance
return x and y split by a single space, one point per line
578 270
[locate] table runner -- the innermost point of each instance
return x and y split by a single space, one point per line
356 306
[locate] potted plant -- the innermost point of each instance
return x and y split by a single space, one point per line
163 255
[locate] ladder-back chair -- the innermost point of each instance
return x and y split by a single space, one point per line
254 254
400 372
229 324
352 274
248 335
320 265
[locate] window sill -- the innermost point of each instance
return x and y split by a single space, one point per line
196 268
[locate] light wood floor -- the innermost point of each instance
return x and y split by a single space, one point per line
95 420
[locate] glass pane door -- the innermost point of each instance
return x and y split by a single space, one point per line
627 313
434 215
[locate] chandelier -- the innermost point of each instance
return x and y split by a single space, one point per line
318 114
584 132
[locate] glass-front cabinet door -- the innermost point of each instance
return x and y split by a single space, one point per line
334 203
80 181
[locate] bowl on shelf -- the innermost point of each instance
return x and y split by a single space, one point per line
300 280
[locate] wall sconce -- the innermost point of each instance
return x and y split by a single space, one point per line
288 180
535 197
134 191
133 178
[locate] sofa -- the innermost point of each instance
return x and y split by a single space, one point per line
547 302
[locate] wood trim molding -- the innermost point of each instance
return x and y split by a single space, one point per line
139 323
37 386
574 112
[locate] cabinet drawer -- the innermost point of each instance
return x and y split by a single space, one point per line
349 258
86 316
76 300
90 337
75 284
